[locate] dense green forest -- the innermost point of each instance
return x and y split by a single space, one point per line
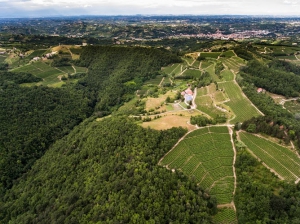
107 171
281 81
261 197
116 72
31 119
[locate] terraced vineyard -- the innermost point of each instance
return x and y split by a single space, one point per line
240 105
40 69
206 155
282 160
225 216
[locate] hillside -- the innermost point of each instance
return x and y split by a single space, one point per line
124 134
97 173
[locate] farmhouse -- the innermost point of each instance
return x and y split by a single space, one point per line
36 58
260 90
188 95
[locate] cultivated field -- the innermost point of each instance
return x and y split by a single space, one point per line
206 155
225 216
207 98
50 75
239 104
281 159
210 54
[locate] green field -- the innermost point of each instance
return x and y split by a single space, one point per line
206 64
225 216
67 69
47 73
240 105
206 155
196 64
37 53
205 100
210 54
227 75
211 71
154 81
281 159
170 69
80 69
189 60
228 54
192 73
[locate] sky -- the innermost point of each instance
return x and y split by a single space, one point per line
46 8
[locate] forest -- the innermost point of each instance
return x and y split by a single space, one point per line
88 176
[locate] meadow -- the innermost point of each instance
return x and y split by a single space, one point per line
281 159
206 155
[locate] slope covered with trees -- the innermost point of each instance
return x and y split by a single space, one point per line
31 119
116 72
107 171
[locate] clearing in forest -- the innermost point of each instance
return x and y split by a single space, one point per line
206 155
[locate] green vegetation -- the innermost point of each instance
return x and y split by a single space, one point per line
88 176
224 216
206 155
283 82
260 196
240 105
31 120
285 162
210 55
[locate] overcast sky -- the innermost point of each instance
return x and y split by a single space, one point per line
44 8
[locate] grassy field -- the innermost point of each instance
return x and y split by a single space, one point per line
206 155
281 159
239 104
172 119
225 216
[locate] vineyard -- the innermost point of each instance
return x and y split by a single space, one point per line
285 162
240 105
225 216
206 155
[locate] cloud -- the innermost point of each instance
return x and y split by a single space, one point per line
15 8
